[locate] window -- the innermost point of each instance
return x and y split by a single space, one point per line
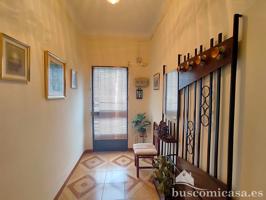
171 95
110 103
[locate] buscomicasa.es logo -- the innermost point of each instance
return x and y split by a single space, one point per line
186 178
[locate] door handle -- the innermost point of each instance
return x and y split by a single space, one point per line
95 113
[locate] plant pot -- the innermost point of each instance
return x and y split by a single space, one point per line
143 135
161 196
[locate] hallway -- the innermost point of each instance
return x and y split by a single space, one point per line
100 76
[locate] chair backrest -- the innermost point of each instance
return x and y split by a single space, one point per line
156 139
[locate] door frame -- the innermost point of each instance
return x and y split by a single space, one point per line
107 145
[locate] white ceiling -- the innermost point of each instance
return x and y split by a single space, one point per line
134 18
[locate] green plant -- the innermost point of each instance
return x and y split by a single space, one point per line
140 123
164 175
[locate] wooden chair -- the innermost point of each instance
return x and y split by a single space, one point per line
146 150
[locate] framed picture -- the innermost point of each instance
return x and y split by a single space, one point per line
55 76
73 79
156 81
15 59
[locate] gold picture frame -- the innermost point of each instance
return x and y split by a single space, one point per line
14 59
55 76
73 79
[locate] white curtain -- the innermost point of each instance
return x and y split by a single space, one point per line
110 103
171 95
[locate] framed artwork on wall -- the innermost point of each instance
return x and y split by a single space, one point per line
73 79
139 93
15 59
55 76
156 81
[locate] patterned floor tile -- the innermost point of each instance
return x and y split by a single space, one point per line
113 191
147 161
123 160
93 162
130 183
109 175
116 176
82 186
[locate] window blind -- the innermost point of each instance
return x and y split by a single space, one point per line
110 103
171 95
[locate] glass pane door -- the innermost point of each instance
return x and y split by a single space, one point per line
110 92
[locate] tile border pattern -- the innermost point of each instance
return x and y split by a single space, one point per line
79 194
90 158
116 161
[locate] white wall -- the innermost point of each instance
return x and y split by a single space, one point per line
103 51
40 140
189 23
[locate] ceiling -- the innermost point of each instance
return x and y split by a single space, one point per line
134 18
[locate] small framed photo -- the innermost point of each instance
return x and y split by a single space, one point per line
156 81
55 76
15 59
73 79
139 93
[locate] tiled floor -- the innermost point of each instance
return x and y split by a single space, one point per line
109 176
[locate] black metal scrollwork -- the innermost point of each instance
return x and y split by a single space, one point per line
190 137
205 106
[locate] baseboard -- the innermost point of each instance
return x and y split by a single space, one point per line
72 171
88 151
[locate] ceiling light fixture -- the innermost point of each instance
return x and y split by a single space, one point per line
113 1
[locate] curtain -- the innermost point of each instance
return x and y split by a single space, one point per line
171 95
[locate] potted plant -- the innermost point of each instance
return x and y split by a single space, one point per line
140 124
163 176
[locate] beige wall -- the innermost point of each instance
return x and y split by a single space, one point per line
189 23
116 52
40 140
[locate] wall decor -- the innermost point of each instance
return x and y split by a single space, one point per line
156 81
142 82
15 59
55 76
139 93
73 79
